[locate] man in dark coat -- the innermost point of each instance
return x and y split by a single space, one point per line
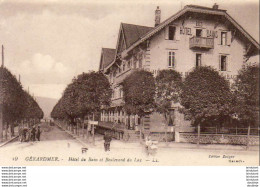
33 131
108 139
38 133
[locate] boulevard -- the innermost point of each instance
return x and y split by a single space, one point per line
57 147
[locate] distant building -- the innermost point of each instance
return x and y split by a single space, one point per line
194 36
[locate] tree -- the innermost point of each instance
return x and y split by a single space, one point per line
31 108
168 89
58 111
15 103
85 95
11 97
139 93
206 96
246 91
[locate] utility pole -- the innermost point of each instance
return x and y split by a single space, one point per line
2 98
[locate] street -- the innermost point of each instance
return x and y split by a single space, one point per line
57 147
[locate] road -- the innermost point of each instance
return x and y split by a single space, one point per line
62 149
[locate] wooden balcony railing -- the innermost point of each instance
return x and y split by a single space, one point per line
201 42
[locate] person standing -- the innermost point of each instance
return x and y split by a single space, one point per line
107 138
38 133
33 131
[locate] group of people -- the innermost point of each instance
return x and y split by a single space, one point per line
30 134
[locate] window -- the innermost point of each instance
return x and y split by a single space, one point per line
120 93
198 60
171 59
223 63
128 64
223 38
199 32
124 67
140 64
172 30
113 93
134 64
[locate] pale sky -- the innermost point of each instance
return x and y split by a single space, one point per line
49 42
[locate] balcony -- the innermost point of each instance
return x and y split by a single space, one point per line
201 42
119 78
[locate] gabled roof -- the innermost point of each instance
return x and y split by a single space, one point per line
107 57
195 9
128 35
132 33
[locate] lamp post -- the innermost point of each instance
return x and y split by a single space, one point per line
2 98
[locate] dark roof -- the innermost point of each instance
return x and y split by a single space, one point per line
132 33
108 56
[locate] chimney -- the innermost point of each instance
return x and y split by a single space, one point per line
157 16
215 6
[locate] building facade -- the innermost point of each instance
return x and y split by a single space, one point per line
194 36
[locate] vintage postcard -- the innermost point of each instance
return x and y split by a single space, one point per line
129 83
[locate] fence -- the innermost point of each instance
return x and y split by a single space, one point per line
214 135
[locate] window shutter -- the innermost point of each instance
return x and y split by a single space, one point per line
175 61
229 38
219 62
177 33
219 37
227 64
166 33
204 33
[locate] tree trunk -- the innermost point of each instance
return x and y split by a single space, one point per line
93 131
6 130
1 126
248 138
140 130
198 141
166 128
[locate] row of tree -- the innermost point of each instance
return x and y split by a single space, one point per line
16 104
205 97
85 96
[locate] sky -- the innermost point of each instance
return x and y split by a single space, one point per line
48 42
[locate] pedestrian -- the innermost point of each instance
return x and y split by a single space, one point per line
26 134
107 138
38 133
33 132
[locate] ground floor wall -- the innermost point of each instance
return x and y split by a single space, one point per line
154 122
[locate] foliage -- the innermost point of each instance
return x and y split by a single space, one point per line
32 109
246 90
16 104
85 95
139 92
206 95
168 89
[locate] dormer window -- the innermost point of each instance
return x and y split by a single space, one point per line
223 38
171 32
